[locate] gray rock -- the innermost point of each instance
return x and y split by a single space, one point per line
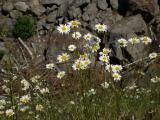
21 6
108 17
90 11
52 17
76 14
6 26
85 17
0 11
15 14
40 24
147 6
127 28
7 7
102 4
35 2
60 20
51 2
3 50
114 4
42 32
38 10
62 10
51 9
78 3
157 27
2 47
47 26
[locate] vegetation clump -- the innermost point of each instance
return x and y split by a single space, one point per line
24 27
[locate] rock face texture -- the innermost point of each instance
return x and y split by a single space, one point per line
125 18
127 28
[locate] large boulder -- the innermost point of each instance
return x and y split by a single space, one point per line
148 8
127 28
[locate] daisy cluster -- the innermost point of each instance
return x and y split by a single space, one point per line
82 63
33 88
134 40
91 45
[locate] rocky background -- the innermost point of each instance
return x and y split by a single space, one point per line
125 18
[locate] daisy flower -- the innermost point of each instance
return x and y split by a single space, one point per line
24 109
87 36
134 40
105 85
95 39
72 48
72 102
63 29
74 23
25 84
77 65
104 58
105 51
116 68
152 55
2 102
116 76
81 64
91 92
101 27
61 74
25 99
50 66
85 64
39 107
146 40
131 87
44 91
95 47
84 56
76 35
62 58
108 67
123 42
9 112
155 80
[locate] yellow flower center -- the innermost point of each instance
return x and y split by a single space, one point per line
100 27
64 57
64 28
74 23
